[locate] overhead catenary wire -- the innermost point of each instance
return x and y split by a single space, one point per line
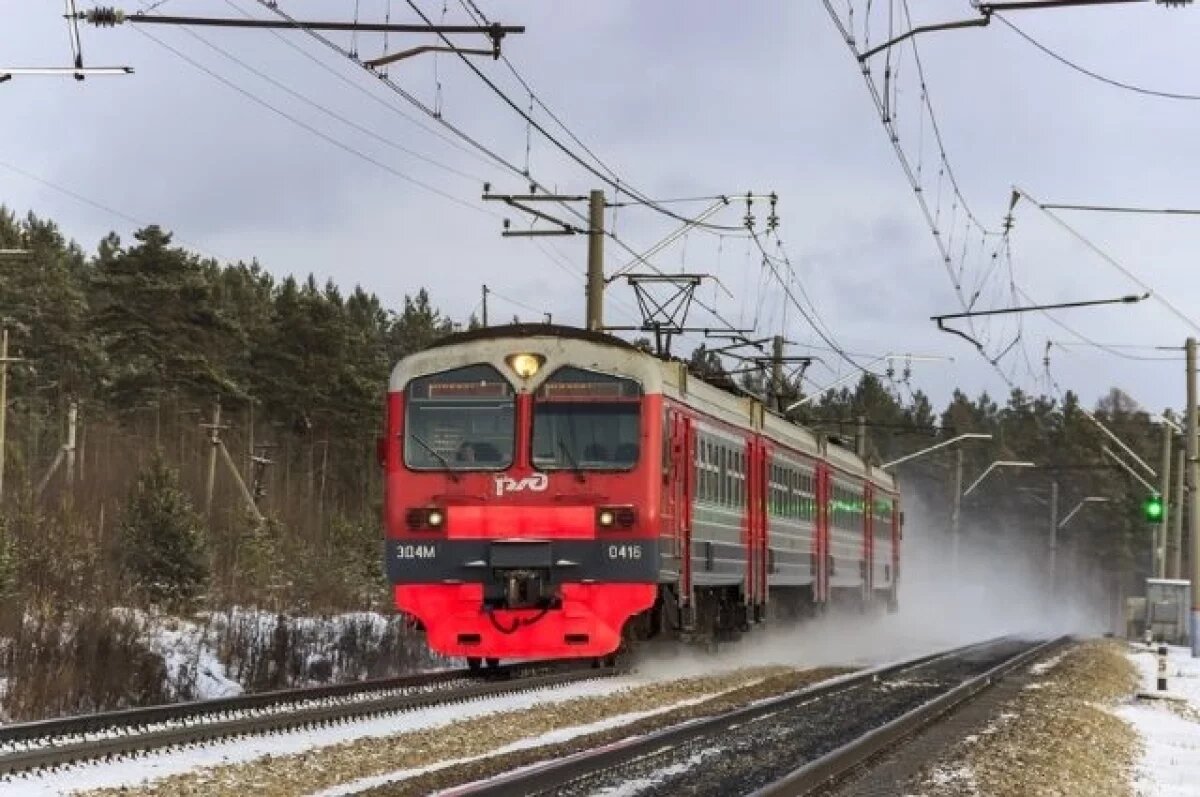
1079 336
516 303
1168 95
314 130
97 205
470 140
1112 261
330 113
467 138
787 289
598 173
449 140
474 11
887 117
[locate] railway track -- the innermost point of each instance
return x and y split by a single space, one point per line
31 746
795 744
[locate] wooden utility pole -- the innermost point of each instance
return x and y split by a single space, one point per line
66 452
1193 476
1053 536
594 284
1175 542
214 438
956 510
69 448
1160 536
595 262
4 361
218 445
777 372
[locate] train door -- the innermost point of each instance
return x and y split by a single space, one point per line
759 459
679 495
897 534
868 549
821 538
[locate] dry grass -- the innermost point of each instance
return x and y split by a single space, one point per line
1056 738
325 767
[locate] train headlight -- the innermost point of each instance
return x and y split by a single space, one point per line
525 365
424 519
615 517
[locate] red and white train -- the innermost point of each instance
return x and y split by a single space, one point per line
553 492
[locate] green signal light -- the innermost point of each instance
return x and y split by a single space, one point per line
1152 508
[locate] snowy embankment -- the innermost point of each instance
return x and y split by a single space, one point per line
219 654
1170 729
161 764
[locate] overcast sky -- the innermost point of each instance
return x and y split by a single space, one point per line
680 99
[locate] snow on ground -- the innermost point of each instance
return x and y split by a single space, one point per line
1043 667
556 736
161 764
1170 763
188 657
636 786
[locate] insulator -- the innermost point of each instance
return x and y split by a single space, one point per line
105 17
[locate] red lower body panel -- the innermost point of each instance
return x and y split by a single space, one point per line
589 623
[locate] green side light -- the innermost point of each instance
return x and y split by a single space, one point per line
1152 508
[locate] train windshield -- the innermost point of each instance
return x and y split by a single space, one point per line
459 420
586 421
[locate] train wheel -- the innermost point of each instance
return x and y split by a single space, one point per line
492 663
474 663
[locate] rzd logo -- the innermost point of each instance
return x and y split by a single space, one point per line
536 483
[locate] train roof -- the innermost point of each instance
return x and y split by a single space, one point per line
533 331
670 375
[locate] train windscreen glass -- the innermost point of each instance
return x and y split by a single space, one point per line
586 421
462 419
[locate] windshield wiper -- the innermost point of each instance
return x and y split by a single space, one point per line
437 454
562 446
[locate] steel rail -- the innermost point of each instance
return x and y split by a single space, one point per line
194 709
552 775
836 764
126 738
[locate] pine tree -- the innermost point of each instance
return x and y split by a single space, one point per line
161 548
157 316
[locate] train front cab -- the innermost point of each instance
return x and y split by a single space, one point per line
520 500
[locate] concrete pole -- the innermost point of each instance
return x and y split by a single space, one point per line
777 372
485 293
1193 476
215 440
1160 536
1175 542
956 512
72 420
595 261
1054 537
3 402
860 439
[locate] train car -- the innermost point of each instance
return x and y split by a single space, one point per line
552 492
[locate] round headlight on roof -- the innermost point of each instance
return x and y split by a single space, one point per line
525 365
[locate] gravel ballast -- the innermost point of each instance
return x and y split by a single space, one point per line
327 767
1057 737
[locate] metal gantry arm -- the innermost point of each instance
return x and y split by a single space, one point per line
1000 463
1091 499
930 449
1125 466
917 358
